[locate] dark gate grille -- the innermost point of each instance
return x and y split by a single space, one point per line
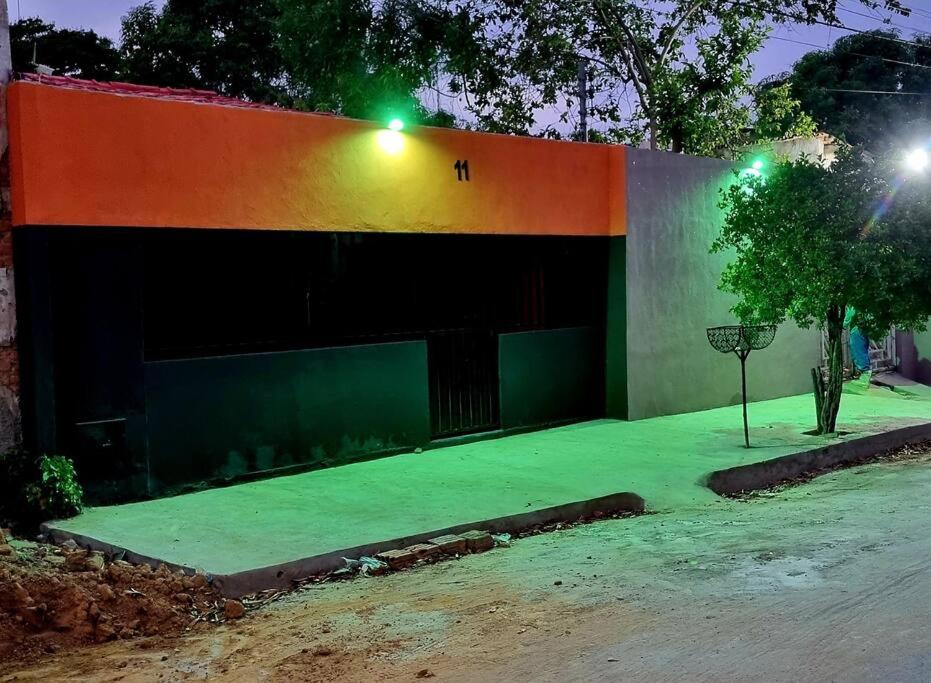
463 382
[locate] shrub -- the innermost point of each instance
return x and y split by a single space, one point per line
57 493
35 489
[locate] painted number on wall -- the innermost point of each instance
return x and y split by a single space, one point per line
462 170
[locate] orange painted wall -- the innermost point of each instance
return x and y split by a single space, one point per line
90 158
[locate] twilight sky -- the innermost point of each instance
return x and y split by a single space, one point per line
777 56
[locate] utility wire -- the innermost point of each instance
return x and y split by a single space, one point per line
877 92
857 54
806 20
882 20
916 10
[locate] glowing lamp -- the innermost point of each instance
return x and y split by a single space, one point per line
390 141
917 160
757 165
396 124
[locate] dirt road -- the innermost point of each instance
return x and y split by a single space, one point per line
829 581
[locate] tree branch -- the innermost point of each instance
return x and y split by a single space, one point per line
667 48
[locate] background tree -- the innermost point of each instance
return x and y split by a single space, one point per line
366 59
876 62
809 241
685 63
70 52
223 45
353 57
779 115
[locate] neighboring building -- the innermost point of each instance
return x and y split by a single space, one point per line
820 147
207 288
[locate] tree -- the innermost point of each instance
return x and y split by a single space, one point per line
69 52
779 115
365 59
223 45
686 61
809 241
878 61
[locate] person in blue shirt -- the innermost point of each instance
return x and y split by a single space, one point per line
859 345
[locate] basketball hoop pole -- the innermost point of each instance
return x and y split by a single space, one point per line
741 340
743 392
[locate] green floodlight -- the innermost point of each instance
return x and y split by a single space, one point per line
396 124
757 164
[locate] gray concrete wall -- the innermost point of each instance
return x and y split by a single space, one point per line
914 352
672 297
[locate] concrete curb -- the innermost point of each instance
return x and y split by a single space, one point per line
763 475
282 575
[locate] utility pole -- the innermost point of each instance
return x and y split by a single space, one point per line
583 99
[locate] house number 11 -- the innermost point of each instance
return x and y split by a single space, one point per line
462 170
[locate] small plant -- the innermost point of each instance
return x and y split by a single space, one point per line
57 493
33 490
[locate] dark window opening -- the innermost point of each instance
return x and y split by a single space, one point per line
221 292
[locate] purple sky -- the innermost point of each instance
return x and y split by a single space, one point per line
777 56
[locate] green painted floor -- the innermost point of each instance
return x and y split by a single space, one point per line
260 524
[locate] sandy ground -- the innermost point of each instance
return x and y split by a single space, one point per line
829 581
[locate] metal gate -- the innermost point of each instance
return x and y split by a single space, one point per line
882 352
463 366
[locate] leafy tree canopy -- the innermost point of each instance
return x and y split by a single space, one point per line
221 45
70 52
676 72
873 61
809 241
366 59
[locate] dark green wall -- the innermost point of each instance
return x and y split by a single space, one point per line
616 330
225 416
550 376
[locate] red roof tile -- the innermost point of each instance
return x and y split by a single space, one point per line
153 91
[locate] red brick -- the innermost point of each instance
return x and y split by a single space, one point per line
397 559
477 541
424 550
450 544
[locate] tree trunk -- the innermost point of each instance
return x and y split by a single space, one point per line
828 390
653 134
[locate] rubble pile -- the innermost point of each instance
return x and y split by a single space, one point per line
58 597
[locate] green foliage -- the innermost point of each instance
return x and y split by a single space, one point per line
810 241
779 115
867 62
36 489
676 73
70 52
362 58
57 493
221 45
806 240
353 57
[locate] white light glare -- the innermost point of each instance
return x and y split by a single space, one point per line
917 160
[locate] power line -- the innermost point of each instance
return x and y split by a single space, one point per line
919 12
856 54
806 20
877 92
883 20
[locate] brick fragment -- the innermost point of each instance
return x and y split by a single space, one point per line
424 550
399 558
450 544
478 541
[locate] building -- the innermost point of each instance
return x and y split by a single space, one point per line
208 289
